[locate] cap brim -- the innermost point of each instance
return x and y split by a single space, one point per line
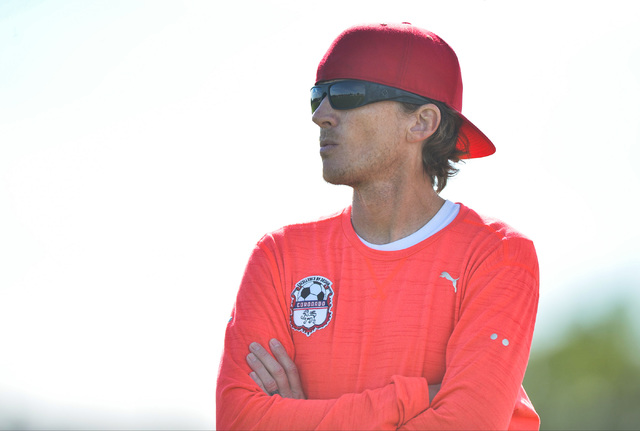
478 145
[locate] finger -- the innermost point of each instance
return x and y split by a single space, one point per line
275 378
262 374
290 368
256 379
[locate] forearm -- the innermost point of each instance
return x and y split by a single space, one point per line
241 407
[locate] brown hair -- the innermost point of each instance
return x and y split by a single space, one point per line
440 150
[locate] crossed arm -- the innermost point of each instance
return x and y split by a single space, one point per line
276 373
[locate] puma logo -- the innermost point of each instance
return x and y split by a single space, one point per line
453 281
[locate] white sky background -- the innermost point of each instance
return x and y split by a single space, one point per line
146 146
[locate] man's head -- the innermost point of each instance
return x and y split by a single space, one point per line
402 63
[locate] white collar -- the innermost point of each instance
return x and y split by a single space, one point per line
443 217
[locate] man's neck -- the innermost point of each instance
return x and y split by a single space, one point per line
388 212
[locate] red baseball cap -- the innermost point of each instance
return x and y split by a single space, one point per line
405 57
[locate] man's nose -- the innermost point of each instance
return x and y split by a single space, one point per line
324 115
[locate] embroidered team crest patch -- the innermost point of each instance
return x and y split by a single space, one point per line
311 303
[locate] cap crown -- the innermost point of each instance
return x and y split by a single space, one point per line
398 55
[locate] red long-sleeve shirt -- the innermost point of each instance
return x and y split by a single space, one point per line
370 330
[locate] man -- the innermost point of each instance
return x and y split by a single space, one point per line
404 311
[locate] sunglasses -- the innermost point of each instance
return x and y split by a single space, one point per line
350 94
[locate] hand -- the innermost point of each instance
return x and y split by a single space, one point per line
275 374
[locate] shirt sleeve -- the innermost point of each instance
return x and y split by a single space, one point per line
261 312
488 351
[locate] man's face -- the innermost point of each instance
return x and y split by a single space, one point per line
362 145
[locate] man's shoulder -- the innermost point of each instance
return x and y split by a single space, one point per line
479 223
308 229
311 225
495 243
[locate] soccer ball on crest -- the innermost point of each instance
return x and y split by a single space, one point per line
312 291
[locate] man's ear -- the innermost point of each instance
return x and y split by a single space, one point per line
426 120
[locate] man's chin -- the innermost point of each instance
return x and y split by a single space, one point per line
333 181
336 180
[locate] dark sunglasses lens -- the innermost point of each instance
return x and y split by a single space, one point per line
317 94
347 95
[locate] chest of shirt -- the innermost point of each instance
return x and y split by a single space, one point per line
355 325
